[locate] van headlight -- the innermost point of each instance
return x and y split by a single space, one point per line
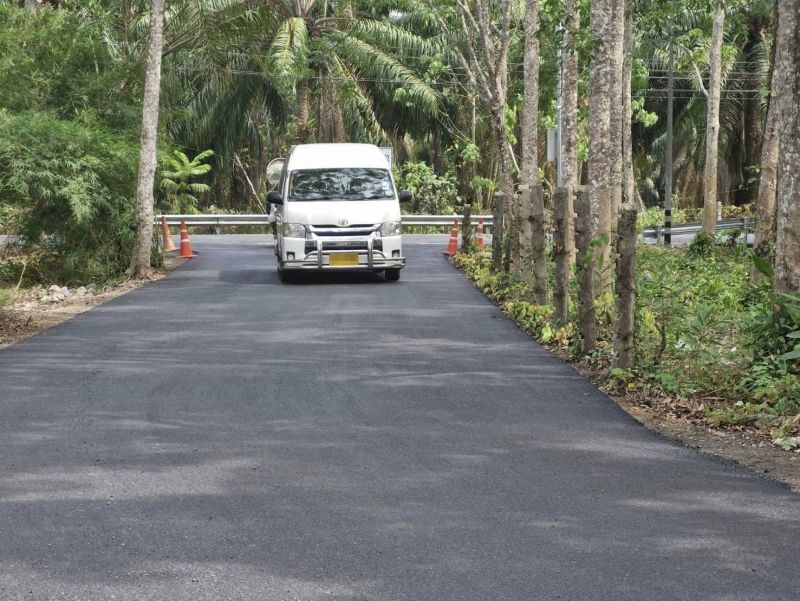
294 230
392 228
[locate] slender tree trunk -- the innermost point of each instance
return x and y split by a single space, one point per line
303 111
504 176
587 320
601 150
561 265
569 117
533 267
787 252
530 111
712 122
626 288
764 238
617 110
538 248
140 260
629 177
498 215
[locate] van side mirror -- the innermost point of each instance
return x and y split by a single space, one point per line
274 197
405 196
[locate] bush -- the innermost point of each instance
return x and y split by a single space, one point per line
65 189
655 216
433 194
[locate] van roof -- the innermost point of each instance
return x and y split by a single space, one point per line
336 156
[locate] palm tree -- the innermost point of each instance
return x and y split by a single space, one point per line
326 49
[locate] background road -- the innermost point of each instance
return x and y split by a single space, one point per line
218 435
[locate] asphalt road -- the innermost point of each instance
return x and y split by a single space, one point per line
218 435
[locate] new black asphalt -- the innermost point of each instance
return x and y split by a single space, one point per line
220 435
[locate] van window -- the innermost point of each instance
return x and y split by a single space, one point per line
341 184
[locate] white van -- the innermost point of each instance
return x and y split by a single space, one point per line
338 209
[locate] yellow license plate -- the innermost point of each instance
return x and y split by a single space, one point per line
344 260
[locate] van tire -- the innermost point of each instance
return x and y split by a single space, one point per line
392 275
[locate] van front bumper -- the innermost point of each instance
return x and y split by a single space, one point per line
371 252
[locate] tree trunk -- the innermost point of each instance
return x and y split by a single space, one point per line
533 266
466 230
764 238
712 122
538 247
787 252
617 111
601 78
140 260
303 111
585 268
626 288
629 177
569 117
561 264
498 215
530 111
504 177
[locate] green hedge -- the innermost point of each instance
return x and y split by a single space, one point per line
66 189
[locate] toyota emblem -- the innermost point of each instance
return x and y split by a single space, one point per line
343 223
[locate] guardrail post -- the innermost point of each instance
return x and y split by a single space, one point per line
659 235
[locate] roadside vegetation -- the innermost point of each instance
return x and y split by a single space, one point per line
709 347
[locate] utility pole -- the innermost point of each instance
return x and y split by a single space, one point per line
670 101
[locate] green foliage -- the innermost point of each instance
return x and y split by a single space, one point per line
433 194
702 244
654 216
65 189
61 61
179 192
775 327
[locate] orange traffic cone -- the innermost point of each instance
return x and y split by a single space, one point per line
186 246
452 247
479 232
167 244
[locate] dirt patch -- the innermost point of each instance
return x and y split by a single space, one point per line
746 448
33 310
684 420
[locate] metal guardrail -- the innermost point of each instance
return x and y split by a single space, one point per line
230 219
657 232
234 219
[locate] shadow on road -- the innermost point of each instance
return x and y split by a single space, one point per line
305 278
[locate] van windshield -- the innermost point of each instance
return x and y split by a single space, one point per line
340 184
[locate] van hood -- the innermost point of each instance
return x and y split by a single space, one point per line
333 212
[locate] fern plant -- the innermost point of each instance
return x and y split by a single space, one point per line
177 171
